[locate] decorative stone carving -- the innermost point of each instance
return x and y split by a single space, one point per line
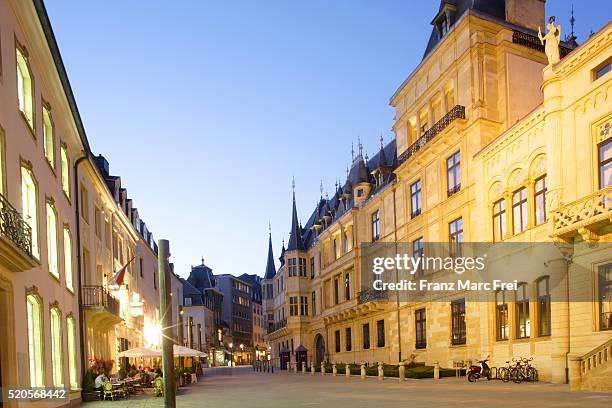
551 41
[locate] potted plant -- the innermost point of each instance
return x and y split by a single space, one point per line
88 393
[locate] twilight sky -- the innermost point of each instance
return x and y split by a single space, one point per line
207 108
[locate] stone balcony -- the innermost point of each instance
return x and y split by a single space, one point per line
15 239
101 308
367 302
586 217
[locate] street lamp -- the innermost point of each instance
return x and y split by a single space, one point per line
231 346
241 353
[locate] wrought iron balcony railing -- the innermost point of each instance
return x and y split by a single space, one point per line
276 326
371 295
457 112
98 297
533 42
14 227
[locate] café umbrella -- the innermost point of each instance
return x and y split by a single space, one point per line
140 352
187 352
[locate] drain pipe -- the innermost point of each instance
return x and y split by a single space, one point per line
79 268
397 301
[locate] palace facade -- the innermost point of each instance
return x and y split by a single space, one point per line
492 144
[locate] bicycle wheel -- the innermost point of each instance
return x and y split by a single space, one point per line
515 375
503 374
532 374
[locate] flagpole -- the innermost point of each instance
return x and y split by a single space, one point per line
165 304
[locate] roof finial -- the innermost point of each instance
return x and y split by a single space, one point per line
202 260
321 188
347 172
293 183
360 146
269 227
381 141
352 151
572 21
326 196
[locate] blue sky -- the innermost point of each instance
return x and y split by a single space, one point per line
207 109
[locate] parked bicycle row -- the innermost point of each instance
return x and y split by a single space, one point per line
518 370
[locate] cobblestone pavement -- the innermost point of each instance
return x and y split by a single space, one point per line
241 387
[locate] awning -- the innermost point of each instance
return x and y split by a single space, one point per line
140 352
187 352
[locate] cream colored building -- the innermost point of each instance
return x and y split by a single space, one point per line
491 144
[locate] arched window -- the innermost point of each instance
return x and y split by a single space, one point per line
49 140
52 240
56 347
29 207
35 340
72 353
68 258
25 86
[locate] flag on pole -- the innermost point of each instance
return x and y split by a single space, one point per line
117 279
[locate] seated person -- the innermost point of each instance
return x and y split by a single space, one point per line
99 382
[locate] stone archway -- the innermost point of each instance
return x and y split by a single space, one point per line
319 353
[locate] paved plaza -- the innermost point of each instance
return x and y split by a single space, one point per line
241 387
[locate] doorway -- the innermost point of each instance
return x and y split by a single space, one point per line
319 349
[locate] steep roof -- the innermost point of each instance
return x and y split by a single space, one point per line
296 242
201 277
270 267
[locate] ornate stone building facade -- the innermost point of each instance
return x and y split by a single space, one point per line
491 144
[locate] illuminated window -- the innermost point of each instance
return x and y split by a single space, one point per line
68 258
605 164
605 297
30 213
501 315
65 170
56 348
52 240
48 138
72 353
523 322
25 87
35 341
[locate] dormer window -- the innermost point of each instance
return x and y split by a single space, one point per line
444 19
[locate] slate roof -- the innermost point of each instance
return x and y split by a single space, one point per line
192 292
201 277
494 8
270 267
342 201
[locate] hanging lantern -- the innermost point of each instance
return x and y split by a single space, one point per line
136 306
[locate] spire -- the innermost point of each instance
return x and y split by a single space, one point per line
382 159
295 236
352 151
282 255
270 267
360 146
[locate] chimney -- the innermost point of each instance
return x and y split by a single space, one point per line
526 13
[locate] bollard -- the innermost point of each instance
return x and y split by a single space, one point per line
381 371
312 368
436 371
322 367
402 371
347 370
295 368
334 370
288 366
363 370
303 367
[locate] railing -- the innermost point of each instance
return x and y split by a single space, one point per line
98 296
276 326
457 112
370 295
533 42
584 211
14 227
596 357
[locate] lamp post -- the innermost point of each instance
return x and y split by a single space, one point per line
242 352
231 346
165 305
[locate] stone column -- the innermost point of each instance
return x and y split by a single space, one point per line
347 370
363 370
402 371
381 371
436 371
334 370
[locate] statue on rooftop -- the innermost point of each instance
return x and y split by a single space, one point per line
551 41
